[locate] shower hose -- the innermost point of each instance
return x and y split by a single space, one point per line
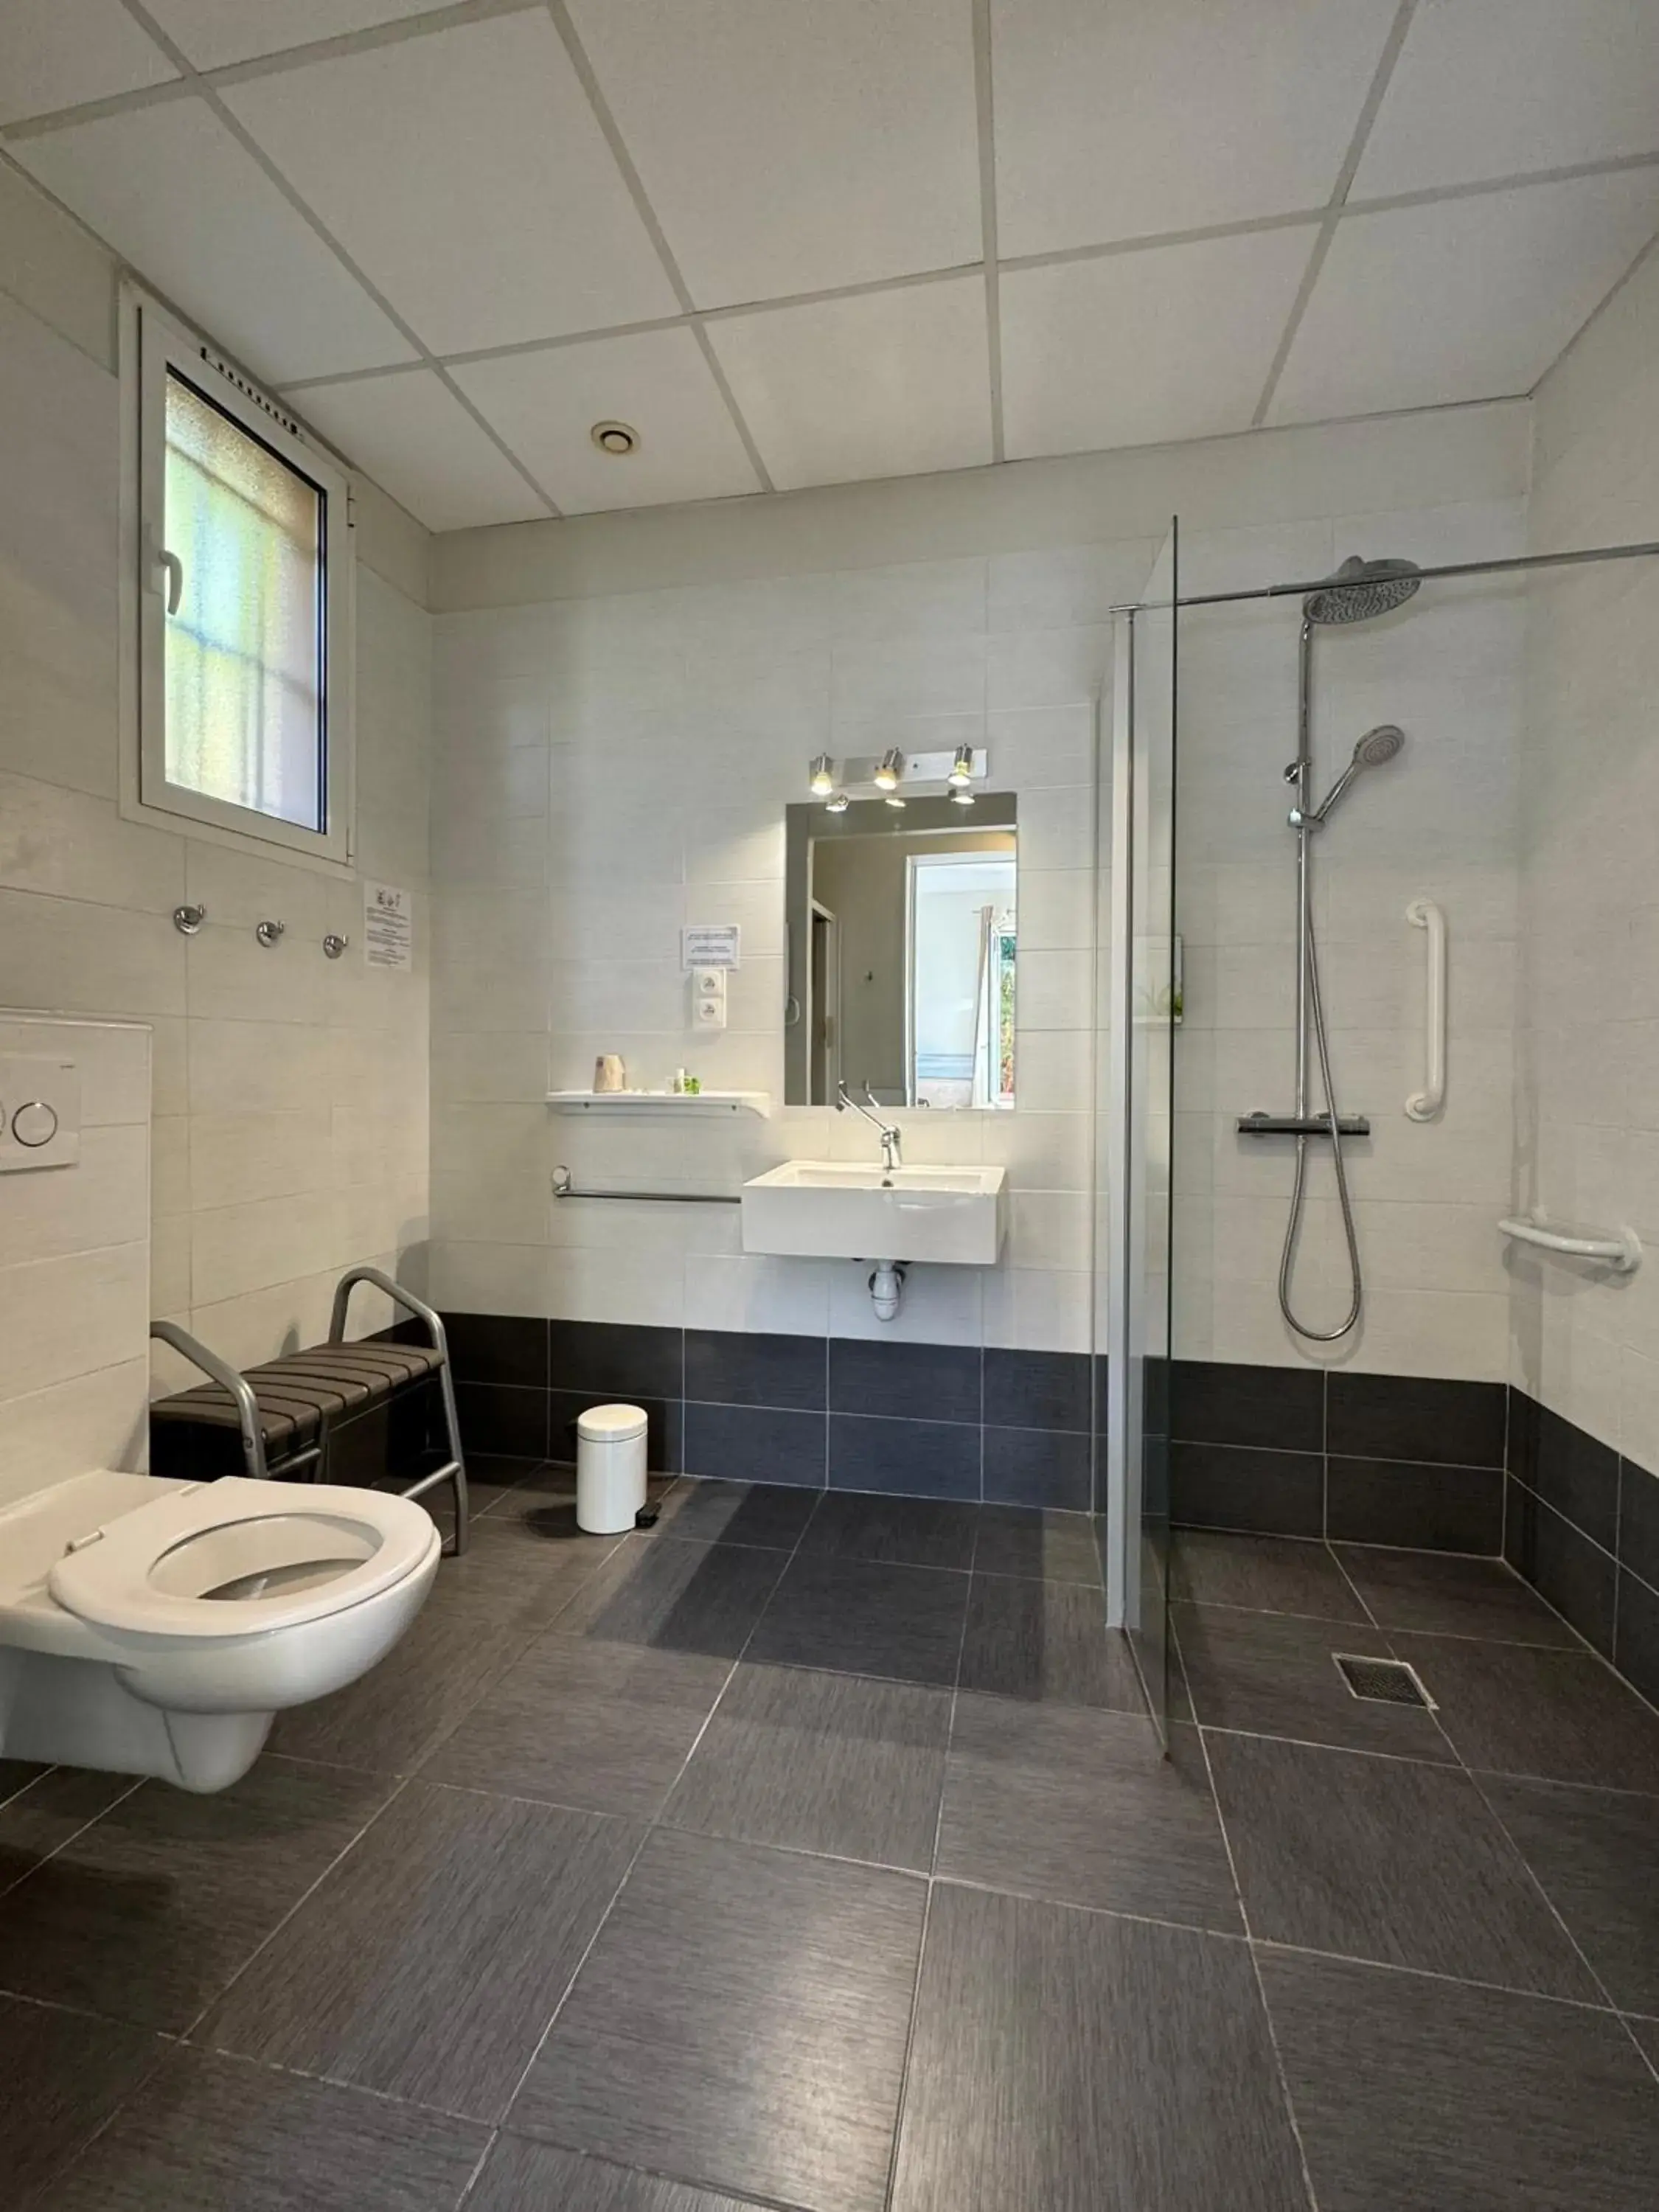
1299 1190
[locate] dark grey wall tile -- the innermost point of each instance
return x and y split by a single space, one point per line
735 1367
502 1419
1214 1401
1568 1570
65 2075
1036 1389
1275 1493
212 2133
466 1917
1520 1442
755 1444
1430 1509
1635 1653
565 1407
616 1359
1046 1467
498 1348
1407 1417
912 1382
1578 1477
918 1459
1638 1521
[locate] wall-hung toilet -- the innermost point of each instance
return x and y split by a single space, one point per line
158 1628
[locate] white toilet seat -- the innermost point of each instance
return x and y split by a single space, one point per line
239 1558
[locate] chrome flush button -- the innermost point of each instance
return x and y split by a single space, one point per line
34 1123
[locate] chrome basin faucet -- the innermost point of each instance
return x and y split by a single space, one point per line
892 1138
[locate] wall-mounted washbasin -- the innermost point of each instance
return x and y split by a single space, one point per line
834 1210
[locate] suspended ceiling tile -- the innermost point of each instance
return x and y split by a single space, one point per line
1500 88
466 175
790 146
890 383
174 193
417 441
55 53
1136 348
545 406
1464 298
1146 116
212 33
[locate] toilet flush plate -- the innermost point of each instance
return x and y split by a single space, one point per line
39 1113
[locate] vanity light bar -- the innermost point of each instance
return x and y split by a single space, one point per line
878 775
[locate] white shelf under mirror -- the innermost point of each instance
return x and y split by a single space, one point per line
661 1101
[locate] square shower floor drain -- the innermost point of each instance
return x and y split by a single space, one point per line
1384 1681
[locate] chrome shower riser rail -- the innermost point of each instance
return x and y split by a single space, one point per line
1511 564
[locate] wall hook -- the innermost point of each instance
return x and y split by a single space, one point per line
187 920
269 931
334 945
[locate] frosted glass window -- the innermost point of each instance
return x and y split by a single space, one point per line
245 650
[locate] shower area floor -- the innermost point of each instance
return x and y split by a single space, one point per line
813 1852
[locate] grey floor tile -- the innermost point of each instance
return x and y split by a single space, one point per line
1561 1716
1078 2063
1269 1675
65 2075
1047 1640
541 1510
741 2022
50 1807
1048 1546
1597 1853
1646 2032
1260 1574
1388 1860
770 1514
146 1915
858 1618
909 1532
520 2174
1445 1594
575 1722
1411 2092
214 2135
484 1610
703 1598
429 1962
819 1762
1083 1808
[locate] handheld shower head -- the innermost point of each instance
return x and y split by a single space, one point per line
1376 746
1360 589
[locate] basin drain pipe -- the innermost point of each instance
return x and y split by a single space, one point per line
887 1287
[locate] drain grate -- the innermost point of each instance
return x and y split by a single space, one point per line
1385 1681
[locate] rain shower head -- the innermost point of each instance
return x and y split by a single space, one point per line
1376 746
1360 589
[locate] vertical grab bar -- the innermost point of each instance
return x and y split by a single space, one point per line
1423 1105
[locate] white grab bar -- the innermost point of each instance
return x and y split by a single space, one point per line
1423 1105
1623 1253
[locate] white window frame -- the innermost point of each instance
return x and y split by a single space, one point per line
153 341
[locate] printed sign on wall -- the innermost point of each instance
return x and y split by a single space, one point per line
388 926
710 944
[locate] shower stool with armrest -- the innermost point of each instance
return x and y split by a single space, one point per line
286 1411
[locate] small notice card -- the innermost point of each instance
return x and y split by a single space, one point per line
710 945
388 926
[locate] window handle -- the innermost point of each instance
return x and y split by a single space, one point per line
175 571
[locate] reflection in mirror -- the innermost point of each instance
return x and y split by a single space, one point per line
902 931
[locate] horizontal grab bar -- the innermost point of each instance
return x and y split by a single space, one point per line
564 1187
1623 1252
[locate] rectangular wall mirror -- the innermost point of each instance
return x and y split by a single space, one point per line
903 928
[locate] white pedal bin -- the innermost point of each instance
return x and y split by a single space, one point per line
610 1468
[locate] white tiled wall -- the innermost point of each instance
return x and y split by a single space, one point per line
1439 822
290 1091
75 1270
611 762
1586 1343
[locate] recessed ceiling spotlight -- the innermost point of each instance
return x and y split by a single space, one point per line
962 768
889 769
823 776
838 805
616 438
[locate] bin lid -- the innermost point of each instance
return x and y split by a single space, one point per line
611 1424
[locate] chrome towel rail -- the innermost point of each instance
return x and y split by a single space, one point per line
564 1187
1622 1252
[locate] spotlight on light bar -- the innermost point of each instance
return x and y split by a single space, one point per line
962 797
824 776
962 769
889 769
